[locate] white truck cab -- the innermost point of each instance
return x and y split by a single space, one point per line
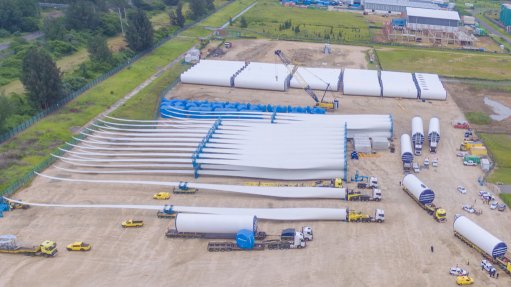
307 233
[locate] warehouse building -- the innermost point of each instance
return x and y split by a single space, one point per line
428 19
505 16
395 6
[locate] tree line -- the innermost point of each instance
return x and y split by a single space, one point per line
85 23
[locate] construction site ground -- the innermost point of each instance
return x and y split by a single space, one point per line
394 253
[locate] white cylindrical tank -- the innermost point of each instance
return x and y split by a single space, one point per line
488 243
417 130
434 130
418 189
406 148
210 223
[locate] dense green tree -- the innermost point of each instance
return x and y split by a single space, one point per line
109 24
171 2
180 18
99 51
41 78
19 15
140 31
243 22
82 15
5 110
54 28
198 8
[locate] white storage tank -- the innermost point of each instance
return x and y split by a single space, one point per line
406 148
488 243
418 189
433 134
210 223
417 134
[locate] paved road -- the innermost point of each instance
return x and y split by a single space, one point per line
488 27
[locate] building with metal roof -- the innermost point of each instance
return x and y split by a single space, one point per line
428 19
396 6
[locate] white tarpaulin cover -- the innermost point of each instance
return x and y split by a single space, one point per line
318 78
361 83
431 88
211 72
263 76
398 85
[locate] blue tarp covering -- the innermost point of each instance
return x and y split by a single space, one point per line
245 239
169 107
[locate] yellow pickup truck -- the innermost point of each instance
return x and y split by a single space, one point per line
132 223
162 195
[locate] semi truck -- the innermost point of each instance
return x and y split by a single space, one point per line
354 216
353 195
286 241
372 182
9 245
424 197
489 246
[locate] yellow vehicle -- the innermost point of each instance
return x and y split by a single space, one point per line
79 246
439 214
464 280
162 195
467 145
8 244
354 216
132 223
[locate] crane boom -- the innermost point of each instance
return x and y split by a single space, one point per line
294 71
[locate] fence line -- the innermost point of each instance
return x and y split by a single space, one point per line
28 123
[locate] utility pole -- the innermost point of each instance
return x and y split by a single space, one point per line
120 19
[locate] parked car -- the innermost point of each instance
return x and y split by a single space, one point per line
468 208
462 154
461 189
493 205
486 265
456 271
501 207
79 246
464 280
469 163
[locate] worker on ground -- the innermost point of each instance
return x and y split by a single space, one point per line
432 250
497 275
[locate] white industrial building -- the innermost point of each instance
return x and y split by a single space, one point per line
428 19
361 83
398 85
430 87
396 6
318 78
263 76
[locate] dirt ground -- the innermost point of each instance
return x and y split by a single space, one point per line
309 54
394 253
471 99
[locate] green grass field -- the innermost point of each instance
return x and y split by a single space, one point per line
33 146
268 16
506 198
478 118
221 17
498 145
447 63
144 105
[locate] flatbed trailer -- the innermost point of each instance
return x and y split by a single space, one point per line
259 246
437 213
173 233
503 262
161 214
178 190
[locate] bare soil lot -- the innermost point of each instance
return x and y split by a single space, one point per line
471 99
394 253
308 54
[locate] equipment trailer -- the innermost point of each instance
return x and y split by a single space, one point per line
438 213
173 233
295 242
503 262
8 245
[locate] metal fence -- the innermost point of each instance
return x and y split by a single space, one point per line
27 177
26 124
